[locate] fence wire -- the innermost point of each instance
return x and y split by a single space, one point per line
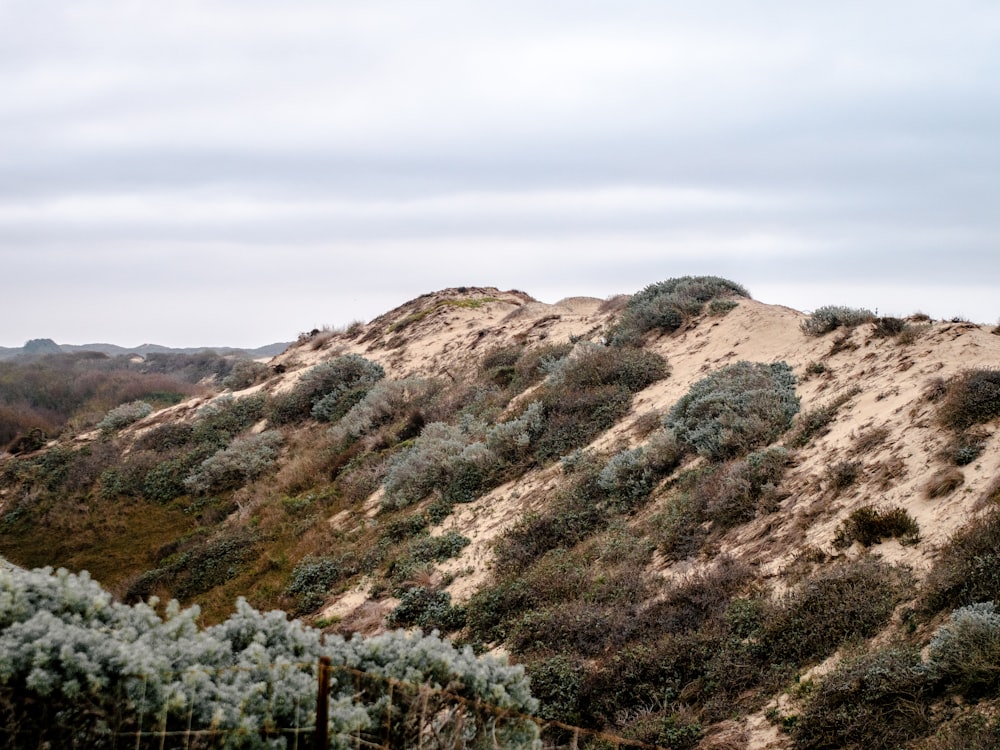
396 714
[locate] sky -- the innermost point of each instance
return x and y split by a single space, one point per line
235 172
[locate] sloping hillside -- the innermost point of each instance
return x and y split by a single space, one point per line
681 510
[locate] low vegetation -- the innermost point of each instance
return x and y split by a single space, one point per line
831 317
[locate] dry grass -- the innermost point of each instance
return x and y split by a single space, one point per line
943 482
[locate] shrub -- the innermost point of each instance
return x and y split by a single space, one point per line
245 373
825 319
556 682
843 474
165 437
225 417
888 327
314 576
246 459
386 402
667 305
964 653
966 447
870 525
124 415
427 608
971 397
842 603
425 465
967 567
875 700
573 515
735 410
737 491
327 390
81 670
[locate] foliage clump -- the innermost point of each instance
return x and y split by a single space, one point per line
735 410
124 415
79 669
830 317
244 460
327 390
665 306
869 525
972 397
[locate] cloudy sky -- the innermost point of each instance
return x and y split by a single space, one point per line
233 172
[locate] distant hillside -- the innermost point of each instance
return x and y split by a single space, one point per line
698 520
48 346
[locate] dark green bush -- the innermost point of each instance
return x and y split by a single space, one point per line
428 609
735 410
875 701
825 319
313 578
870 525
557 682
667 305
972 397
165 437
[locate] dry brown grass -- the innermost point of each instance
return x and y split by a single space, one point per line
944 482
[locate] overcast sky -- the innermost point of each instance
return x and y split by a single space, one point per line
233 172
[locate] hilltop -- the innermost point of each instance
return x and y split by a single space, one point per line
695 517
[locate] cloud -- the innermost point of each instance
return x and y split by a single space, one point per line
212 151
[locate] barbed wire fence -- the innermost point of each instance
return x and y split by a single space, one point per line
398 714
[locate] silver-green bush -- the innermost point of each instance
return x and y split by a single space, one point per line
735 410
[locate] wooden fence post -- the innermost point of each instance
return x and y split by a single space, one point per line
321 739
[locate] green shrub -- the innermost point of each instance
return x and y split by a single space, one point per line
165 481
246 459
427 548
165 437
972 397
870 525
825 319
425 465
313 578
964 653
889 327
124 415
225 417
735 410
966 447
326 391
428 609
557 682
876 700
667 305
387 401
573 515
